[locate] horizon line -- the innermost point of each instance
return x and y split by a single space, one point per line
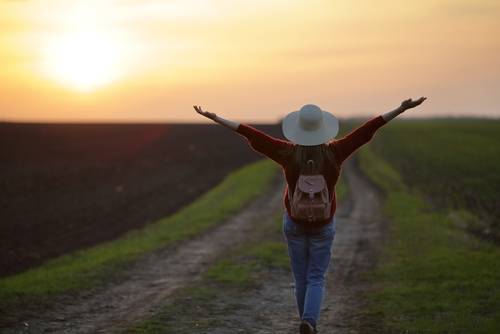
159 122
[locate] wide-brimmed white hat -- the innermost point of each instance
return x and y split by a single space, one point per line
310 126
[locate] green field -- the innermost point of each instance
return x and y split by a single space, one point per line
454 163
434 276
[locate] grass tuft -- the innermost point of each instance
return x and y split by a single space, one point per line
271 254
231 272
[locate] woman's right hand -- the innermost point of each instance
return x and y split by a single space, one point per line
207 114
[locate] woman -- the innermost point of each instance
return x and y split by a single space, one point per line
310 132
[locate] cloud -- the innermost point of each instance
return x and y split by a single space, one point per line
471 8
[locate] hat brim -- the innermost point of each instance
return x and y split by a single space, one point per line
293 132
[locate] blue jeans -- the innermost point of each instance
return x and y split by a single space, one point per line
310 253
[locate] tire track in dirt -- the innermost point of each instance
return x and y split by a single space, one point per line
154 277
360 231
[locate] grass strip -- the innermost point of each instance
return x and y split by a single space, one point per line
85 268
434 277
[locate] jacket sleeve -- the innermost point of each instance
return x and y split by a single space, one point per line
347 145
263 143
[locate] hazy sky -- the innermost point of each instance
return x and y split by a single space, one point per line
254 61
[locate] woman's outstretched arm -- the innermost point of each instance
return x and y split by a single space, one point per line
227 123
258 140
363 134
406 104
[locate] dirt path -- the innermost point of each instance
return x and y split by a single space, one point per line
269 310
360 231
154 277
360 234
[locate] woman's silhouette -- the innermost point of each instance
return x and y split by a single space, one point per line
310 133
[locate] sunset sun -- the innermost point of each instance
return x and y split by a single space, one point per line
83 61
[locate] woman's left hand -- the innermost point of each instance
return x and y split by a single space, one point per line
407 104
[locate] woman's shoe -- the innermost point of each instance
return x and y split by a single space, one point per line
307 328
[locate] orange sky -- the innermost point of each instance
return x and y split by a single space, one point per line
254 61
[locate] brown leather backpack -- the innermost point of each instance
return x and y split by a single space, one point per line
310 201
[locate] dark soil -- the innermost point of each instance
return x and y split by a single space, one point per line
66 186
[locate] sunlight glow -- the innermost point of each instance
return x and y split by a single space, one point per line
85 51
150 60
83 60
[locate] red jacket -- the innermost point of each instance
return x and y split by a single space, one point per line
342 148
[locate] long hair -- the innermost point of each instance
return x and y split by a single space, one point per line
299 155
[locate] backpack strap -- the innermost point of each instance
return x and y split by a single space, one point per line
310 164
